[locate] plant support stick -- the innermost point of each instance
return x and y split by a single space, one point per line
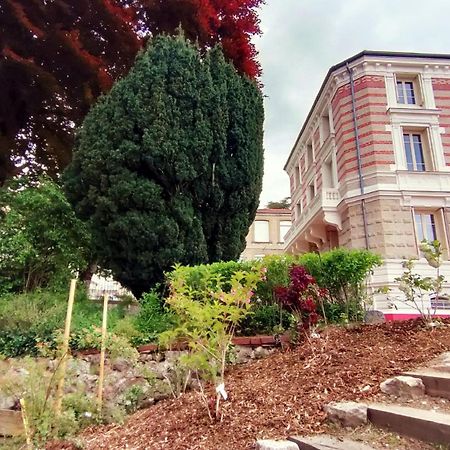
65 348
102 354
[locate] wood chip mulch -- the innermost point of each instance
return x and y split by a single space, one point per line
283 394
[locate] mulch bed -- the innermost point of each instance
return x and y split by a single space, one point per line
283 394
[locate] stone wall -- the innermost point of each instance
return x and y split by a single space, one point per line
390 228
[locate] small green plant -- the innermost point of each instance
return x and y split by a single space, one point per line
208 318
36 386
417 288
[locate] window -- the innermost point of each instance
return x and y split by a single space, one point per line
298 210
425 226
414 152
285 226
309 156
262 231
297 176
405 92
327 174
324 127
311 192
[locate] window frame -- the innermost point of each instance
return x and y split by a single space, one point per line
280 226
414 80
426 150
257 241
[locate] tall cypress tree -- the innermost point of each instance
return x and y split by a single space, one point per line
168 165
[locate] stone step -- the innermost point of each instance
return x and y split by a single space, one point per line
270 444
325 442
437 383
425 425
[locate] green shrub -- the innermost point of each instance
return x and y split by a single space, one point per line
42 242
277 274
343 273
152 319
198 277
32 319
264 319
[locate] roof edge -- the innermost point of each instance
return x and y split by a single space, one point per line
350 60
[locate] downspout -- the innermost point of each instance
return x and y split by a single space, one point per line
358 155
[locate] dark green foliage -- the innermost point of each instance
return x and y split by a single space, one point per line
168 165
264 319
42 242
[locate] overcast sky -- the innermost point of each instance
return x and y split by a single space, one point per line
302 39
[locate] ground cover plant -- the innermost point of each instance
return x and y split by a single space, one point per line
31 320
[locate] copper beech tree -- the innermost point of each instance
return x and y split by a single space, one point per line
57 57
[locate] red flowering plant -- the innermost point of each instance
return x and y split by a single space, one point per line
302 298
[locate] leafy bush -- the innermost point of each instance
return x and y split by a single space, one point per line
198 277
343 273
42 242
207 320
152 319
277 275
264 319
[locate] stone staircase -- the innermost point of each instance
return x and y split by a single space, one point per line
407 410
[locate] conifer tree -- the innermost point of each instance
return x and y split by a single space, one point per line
168 165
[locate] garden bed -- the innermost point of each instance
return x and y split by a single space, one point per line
282 394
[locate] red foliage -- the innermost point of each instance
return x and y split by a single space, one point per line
59 56
301 297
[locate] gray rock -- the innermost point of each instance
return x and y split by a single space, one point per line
243 354
77 366
160 369
347 414
120 365
261 352
374 317
7 401
268 444
441 363
403 386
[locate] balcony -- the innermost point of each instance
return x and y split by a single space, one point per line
321 210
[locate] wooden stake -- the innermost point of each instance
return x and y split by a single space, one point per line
101 374
65 349
26 425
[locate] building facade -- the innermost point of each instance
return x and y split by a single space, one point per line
266 234
371 165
